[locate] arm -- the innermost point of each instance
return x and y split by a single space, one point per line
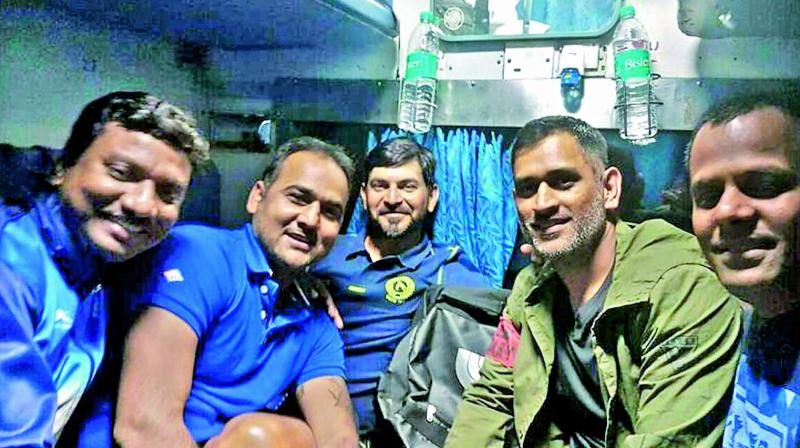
156 381
690 349
327 408
28 406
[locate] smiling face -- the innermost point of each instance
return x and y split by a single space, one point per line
126 189
745 195
298 216
397 199
560 201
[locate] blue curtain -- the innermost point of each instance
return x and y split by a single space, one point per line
475 210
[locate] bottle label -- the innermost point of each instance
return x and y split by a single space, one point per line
421 64
633 64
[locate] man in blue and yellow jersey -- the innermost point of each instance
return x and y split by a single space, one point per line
377 277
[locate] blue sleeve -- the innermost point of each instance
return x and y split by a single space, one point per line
459 271
327 355
28 403
188 275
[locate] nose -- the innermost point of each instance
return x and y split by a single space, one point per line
733 206
545 199
393 196
142 199
309 215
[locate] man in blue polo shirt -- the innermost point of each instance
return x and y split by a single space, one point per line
378 277
227 330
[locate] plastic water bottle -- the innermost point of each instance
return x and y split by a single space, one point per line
418 88
636 101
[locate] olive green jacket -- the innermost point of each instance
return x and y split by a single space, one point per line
666 345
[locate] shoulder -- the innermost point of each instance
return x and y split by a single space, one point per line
459 269
344 246
529 279
657 245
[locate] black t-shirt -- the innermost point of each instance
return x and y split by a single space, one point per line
577 404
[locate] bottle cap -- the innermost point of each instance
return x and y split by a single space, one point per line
627 11
426 17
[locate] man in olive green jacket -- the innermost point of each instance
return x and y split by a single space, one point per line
617 335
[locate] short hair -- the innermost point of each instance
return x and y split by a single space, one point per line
591 140
399 151
135 111
786 100
334 152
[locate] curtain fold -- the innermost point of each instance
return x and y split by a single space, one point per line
476 210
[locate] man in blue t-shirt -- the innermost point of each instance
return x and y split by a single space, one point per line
115 192
377 277
743 165
227 330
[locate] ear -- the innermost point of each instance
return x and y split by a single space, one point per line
58 178
362 193
257 194
612 188
433 198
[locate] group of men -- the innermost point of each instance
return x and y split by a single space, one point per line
617 334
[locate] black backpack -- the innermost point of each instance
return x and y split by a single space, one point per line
436 360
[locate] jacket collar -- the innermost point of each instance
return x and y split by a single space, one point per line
79 261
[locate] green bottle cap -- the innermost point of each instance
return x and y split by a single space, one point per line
426 17
627 11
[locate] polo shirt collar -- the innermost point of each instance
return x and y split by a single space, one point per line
254 254
411 258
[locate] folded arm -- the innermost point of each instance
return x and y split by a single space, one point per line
156 381
327 408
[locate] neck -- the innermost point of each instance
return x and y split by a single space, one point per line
379 246
768 300
585 272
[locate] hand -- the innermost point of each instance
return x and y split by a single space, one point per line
527 250
333 311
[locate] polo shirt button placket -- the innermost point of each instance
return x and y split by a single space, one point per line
265 314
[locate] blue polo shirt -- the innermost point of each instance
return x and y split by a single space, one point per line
252 351
377 301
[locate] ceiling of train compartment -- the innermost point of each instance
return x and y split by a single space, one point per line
244 24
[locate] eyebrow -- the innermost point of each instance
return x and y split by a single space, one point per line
305 191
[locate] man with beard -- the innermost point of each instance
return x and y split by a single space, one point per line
116 191
746 202
621 337
227 330
377 277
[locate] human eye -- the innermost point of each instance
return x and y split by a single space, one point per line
766 184
297 197
526 189
409 187
378 186
171 194
333 213
120 171
706 195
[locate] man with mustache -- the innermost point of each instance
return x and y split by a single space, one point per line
118 188
377 277
227 330
619 336
743 166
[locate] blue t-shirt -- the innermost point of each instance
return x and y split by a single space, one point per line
53 317
764 414
377 301
252 351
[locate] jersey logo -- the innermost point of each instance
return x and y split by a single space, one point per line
399 289
173 275
504 345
